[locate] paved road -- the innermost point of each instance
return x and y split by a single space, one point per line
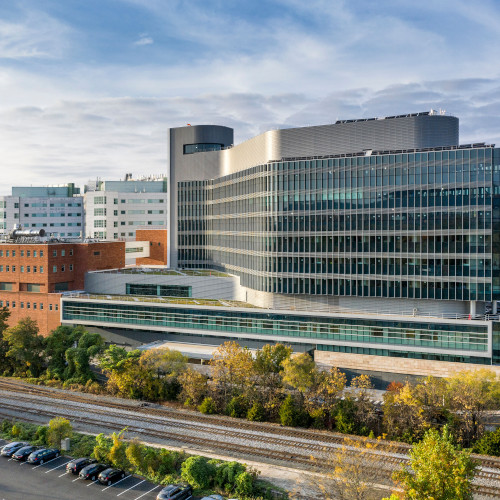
20 481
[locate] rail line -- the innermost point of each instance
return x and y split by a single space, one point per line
296 447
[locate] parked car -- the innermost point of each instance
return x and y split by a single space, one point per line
75 466
23 453
176 492
215 496
10 448
43 455
92 471
110 476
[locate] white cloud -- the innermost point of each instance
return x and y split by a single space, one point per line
37 35
144 39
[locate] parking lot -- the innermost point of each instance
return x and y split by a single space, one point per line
19 480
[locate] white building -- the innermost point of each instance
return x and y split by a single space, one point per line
115 209
56 209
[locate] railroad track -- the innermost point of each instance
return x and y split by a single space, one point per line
296 447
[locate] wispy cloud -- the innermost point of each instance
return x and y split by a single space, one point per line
144 39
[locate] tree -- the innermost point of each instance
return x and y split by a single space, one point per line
198 471
89 346
325 393
350 472
59 429
437 470
58 342
471 393
365 412
5 362
404 416
267 375
111 357
433 394
231 368
118 452
300 372
25 347
194 386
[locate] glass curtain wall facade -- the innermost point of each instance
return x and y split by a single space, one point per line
405 224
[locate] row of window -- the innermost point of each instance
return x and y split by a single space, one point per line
102 200
35 253
29 305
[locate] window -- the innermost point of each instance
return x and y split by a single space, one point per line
1 269
34 305
33 287
63 253
100 200
7 268
28 253
41 253
5 287
41 306
13 253
57 307
1 253
54 253
97 253
41 269
200 147
50 307
71 251
28 269
7 253
34 269
54 269
22 253
71 267
63 268
22 269
13 269
34 253
22 305
28 305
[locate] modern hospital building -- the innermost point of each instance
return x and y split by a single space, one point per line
373 243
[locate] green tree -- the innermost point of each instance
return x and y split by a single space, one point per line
136 454
488 444
300 372
208 406
59 429
101 448
198 471
26 347
111 358
57 343
78 369
256 413
437 470
6 363
118 452
268 377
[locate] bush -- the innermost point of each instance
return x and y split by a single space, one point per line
288 412
59 428
198 472
208 406
41 435
226 474
82 445
488 444
237 407
244 483
256 413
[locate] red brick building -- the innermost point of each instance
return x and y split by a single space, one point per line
158 254
33 275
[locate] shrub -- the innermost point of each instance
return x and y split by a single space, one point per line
7 427
488 444
41 435
208 406
244 483
101 448
226 474
256 413
237 407
198 472
59 428
288 412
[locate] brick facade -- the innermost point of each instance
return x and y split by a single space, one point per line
158 253
32 275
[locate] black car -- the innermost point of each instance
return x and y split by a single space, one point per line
9 449
176 492
109 476
23 453
43 455
75 466
92 471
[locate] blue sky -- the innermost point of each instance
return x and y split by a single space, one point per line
89 88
